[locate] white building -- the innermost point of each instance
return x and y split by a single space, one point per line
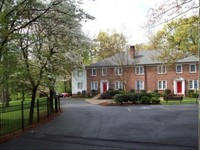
79 81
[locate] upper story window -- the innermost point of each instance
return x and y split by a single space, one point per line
139 70
118 71
193 84
94 72
104 72
193 68
162 85
161 69
118 85
79 73
179 68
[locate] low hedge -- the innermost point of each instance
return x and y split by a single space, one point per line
143 98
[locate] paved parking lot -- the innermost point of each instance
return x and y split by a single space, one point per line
82 125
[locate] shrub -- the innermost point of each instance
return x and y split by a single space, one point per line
143 91
133 97
84 92
78 93
120 90
112 93
155 94
132 91
145 100
94 92
195 95
118 98
167 91
155 91
142 94
190 93
155 100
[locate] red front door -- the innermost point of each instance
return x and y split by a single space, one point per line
104 86
179 87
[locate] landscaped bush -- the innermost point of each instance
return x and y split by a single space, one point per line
133 97
142 94
190 93
94 92
84 92
155 100
195 95
155 91
109 94
145 100
155 94
78 93
143 91
119 98
167 91
132 91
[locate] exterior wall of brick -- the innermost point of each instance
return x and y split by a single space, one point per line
150 77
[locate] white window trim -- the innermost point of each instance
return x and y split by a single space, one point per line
117 71
139 67
181 68
103 72
117 85
195 68
81 85
92 72
161 69
193 87
162 88
79 73
141 84
94 83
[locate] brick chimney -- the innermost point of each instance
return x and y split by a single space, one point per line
132 51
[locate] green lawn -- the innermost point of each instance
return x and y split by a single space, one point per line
11 117
186 100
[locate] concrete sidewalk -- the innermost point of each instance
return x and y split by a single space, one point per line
97 101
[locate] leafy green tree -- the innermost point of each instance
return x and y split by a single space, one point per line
178 39
109 44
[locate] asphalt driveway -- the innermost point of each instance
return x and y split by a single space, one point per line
82 125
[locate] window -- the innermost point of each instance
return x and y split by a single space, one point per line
139 70
94 72
104 72
162 85
118 71
192 68
161 69
94 85
118 85
178 68
193 84
80 85
80 73
139 85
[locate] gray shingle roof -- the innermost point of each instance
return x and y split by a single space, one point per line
142 58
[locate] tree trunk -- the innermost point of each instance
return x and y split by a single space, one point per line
31 113
51 93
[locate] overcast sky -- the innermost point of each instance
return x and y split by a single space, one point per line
126 16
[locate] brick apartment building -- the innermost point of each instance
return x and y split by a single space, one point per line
137 70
